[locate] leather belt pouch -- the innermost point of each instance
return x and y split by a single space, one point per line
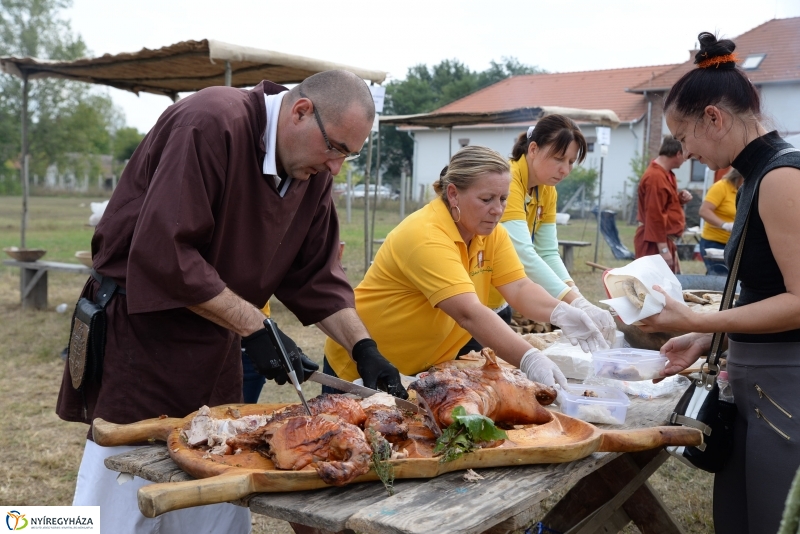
87 342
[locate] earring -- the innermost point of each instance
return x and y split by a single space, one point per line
459 213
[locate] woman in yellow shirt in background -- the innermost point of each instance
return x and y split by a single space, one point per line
540 159
718 211
426 292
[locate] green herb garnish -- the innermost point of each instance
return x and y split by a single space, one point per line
381 454
467 433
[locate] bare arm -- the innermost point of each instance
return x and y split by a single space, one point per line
531 300
708 215
486 326
345 328
778 204
232 312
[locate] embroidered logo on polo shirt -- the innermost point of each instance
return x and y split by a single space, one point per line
480 258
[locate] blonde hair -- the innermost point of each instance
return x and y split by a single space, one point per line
732 176
467 166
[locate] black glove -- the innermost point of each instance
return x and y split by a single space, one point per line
375 370
258 347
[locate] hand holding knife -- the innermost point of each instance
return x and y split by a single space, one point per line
272 331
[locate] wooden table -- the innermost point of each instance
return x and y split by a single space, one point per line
33 279
607 491
568 255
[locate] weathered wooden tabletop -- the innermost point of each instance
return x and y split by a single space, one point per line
506 499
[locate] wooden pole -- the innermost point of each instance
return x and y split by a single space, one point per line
402 194
599 212
377 195
228 73
366 204
349 193
25 159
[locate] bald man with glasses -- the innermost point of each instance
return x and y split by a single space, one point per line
226 202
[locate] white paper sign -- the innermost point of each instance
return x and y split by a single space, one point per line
378 95
651 271
603 135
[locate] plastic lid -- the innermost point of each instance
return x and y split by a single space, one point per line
723 375
627 355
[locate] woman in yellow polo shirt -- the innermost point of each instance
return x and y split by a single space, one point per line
426 292
718 211
540 159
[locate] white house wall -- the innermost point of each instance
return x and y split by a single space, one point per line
780 106
432 154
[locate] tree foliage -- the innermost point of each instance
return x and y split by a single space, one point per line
580 176
68 122
428 88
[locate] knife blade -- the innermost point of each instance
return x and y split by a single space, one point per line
361 391
272 330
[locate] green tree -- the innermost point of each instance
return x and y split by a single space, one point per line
64 118
426 89
126 141
580 176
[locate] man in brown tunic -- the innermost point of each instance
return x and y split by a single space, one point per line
660 210
226 202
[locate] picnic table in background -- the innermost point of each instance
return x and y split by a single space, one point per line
568 254
608 490
33 279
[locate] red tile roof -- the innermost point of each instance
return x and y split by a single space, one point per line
779 39
598 89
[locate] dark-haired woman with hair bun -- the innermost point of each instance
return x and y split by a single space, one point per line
540 159
715 112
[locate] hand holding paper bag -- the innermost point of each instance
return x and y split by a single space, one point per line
648 271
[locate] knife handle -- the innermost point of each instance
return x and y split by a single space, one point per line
156 499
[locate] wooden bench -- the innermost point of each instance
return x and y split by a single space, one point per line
33 279
568 254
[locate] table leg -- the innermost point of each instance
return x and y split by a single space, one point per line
592 500
33 288
568 257
303 529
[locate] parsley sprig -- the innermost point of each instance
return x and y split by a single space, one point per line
467 433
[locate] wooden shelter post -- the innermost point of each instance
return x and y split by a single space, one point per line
25 159
228 74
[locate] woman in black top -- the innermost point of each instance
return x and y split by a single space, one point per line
714 111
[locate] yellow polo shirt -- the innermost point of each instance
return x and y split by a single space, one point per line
424 261
535 209
723 195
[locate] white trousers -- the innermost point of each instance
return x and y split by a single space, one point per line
119 511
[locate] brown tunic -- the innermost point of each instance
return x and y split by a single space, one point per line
660 212
194 214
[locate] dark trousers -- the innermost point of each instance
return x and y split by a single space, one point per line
750 492
252 381
473 345
714 267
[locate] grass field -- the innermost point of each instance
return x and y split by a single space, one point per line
42 453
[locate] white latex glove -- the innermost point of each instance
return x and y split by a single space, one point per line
540 368
600 317
578 327
727 226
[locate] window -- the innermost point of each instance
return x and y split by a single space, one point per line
752 61
590 146
698 171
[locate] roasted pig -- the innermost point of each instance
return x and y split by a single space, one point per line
336 449
345 407
388 421
503 395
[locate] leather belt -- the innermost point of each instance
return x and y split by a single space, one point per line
100 279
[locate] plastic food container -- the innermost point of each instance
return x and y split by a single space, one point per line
609 406
628 364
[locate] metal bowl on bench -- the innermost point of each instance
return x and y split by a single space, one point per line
25 254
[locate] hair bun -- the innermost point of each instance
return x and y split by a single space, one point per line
711 48
444 171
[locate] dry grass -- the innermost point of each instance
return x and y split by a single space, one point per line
42 453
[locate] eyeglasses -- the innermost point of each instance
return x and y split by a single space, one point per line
332 152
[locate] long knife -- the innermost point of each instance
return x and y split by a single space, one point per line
361 391
272 330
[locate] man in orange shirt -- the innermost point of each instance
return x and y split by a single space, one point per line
661 217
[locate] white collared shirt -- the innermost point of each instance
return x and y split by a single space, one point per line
273 107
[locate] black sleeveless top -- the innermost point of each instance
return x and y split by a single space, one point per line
760 276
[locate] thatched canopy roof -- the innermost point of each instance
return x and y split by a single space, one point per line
182 67
604 117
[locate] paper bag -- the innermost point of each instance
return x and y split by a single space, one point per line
650 271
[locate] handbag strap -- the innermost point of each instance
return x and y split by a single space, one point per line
711 367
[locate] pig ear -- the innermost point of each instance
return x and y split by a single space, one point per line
491 357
